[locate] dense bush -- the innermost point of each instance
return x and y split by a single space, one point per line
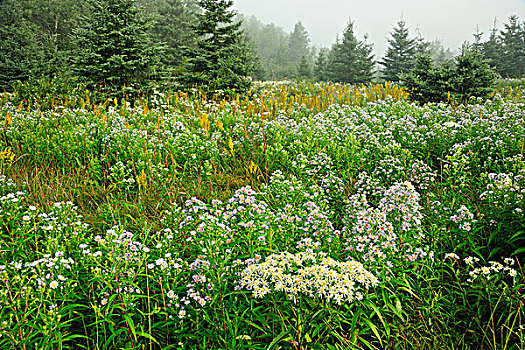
465 77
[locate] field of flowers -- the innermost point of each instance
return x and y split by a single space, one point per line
296 217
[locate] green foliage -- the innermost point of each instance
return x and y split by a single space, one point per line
173 28
21 51
350 60
512 54
366 225
48 93
401 53
298 51
505 51
113 52
321 65
221 59
468 76
304 70
270 43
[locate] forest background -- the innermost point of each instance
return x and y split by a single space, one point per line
184 43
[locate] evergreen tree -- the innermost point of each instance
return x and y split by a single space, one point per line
427 82
298 48
55 21
438 52
468 75
350 60
400 54
512 39
492 50
221 59
173 27
472 76
321 65
113 51
422 46
269 42
304 71
21 52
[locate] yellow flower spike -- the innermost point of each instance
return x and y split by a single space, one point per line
7 155
205 123
230 144
8 119
219 125
252 168
142 180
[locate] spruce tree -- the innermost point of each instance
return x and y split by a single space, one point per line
270 43
492 50
55 21
173 27
400 54
466 76
113 51
222 59
512 39
21 52
298 49
304 71
473 76
350 60
321 65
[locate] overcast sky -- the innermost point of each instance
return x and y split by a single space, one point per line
452 21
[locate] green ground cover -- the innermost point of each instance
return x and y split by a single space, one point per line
296 217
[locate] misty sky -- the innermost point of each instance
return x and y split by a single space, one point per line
452 21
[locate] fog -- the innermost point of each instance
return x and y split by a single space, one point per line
452 21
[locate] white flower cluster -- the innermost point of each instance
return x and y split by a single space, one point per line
493 270
464 218
308 273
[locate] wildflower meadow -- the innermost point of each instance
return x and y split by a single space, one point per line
296 216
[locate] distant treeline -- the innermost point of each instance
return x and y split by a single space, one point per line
285 55
110 44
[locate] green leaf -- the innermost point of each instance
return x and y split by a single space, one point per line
278 338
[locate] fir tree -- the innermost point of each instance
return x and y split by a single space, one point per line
422 46
113 51
492 50
221 59
468 75
473 76
21 53
350 60
173 27
298 48
304 71
512 39
400 54
321 65
438 52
